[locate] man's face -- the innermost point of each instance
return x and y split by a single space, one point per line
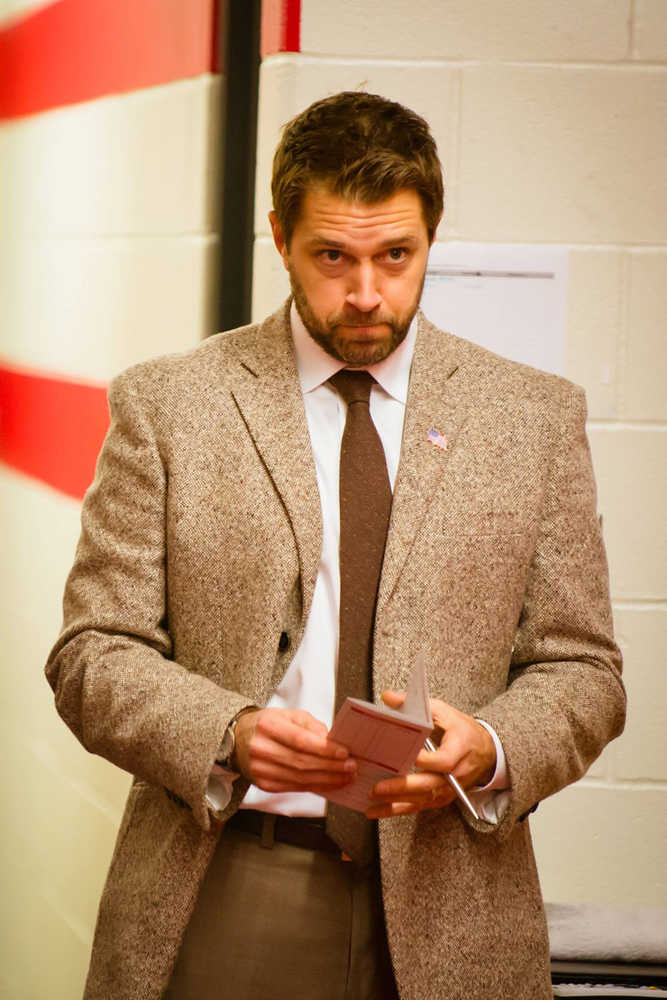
356 271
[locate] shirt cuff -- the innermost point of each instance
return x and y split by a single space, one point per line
491 806
219 789
500 780
492 800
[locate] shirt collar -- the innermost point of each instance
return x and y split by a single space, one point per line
315 366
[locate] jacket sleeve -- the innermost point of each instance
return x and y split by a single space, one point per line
115 682
565 699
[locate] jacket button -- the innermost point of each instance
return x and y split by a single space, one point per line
283 642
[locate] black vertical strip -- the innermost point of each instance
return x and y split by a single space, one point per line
239 62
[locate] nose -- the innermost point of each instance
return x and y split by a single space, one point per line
364 294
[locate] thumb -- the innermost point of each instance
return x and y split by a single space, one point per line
394 699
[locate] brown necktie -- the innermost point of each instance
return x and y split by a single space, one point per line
365 506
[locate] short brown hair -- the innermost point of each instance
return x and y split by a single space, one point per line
362 147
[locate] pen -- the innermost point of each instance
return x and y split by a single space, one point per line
430 745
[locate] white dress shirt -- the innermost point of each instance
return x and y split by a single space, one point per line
309 682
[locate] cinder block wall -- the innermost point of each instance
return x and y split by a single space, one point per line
108 246
551 120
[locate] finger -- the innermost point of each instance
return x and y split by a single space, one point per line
394 699
283 729
445 760
281 787
444 715
269 768
389 809
263 747
272 776
466 751
393 809
295 781
308 721
411 787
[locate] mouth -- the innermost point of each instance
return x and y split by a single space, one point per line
361 329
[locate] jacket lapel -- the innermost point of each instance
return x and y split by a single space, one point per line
268 396
437 399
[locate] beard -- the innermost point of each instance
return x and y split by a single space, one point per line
356 353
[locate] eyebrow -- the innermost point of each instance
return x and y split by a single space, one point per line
394 241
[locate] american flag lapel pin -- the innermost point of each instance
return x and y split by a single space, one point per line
436 438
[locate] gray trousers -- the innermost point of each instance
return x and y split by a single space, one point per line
284 923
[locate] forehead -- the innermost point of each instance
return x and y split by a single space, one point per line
330 218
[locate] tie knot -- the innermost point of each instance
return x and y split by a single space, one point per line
353 386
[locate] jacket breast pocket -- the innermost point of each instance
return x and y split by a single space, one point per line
486 523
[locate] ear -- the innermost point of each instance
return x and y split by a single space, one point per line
278 238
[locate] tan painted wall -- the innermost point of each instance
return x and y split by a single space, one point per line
551 120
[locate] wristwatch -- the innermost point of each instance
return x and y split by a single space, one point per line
228 745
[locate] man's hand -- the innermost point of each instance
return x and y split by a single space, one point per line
288 750
466 751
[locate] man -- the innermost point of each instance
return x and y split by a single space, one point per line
203 620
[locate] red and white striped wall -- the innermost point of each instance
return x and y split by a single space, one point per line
281 27
109 178
108 152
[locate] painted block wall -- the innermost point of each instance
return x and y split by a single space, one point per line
108 255
551 121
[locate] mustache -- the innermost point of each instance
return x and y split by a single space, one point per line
375 318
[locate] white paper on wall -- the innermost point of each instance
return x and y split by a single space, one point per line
509 298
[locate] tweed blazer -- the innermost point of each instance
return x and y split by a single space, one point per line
201 537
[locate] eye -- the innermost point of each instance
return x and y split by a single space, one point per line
331 256
397 254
